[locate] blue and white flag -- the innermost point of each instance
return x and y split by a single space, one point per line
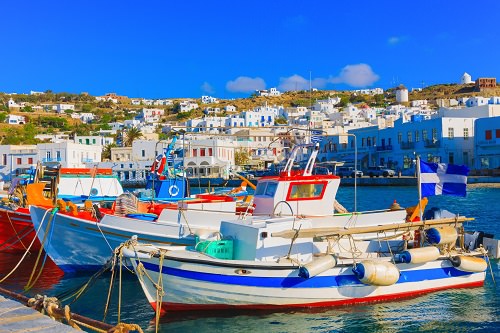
316 136
441 178
170 158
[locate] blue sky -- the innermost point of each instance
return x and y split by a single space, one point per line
228 49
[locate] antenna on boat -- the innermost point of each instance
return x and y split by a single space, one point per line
310 163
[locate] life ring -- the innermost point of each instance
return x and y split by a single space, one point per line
173 190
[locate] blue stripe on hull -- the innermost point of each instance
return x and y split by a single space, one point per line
297 282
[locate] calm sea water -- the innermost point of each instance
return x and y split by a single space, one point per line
462 310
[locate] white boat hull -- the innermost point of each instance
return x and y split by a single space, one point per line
195 281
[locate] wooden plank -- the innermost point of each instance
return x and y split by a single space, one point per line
337 231
16 317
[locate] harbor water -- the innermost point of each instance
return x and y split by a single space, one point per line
457 310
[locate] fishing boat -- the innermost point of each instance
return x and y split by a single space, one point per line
284 263
43 187
86 243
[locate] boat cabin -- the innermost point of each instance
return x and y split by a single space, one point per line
296 192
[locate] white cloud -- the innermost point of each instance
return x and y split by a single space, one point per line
207 88
297 82
359 75
393 40
245 84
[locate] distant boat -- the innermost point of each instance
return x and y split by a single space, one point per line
75 184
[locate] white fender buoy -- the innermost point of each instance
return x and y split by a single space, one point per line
317 266
469 264
419 255
376 273
442 235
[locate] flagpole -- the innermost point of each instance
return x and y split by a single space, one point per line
419 188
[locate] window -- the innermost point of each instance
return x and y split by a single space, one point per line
4 159
19 161
48 155
497 133
488 135
451 158
424 134
417 136
143 153
195 152
210 152
30 160
451 133
466 134
400 137
202 151
434 134
306 191
409 136
363 142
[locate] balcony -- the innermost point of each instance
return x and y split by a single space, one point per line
432 143
51 159
489 143
407 145
384 148
87 160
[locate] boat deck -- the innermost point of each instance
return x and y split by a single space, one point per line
16 317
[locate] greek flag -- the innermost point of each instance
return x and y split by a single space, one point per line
441 178
316 136
170 158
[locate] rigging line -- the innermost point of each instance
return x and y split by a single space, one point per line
12 225
31 282
27 251
103 236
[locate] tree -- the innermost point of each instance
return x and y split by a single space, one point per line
86 108
280 121
132 134
379 99
27 108
3 117
106 151
241 157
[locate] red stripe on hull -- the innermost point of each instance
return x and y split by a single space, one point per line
166 306
16 230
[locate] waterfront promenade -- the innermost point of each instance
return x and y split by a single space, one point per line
16 317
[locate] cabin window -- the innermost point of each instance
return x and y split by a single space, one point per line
271 189
266 189
306 191
261 188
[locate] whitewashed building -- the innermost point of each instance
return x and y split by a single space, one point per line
186 106
61 107
15 159
209 100
150 115
69 154
94 140
13 119
401 94
466 79
487 143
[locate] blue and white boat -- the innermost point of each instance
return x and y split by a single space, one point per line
278 263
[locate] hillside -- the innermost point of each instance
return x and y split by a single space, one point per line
107 112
